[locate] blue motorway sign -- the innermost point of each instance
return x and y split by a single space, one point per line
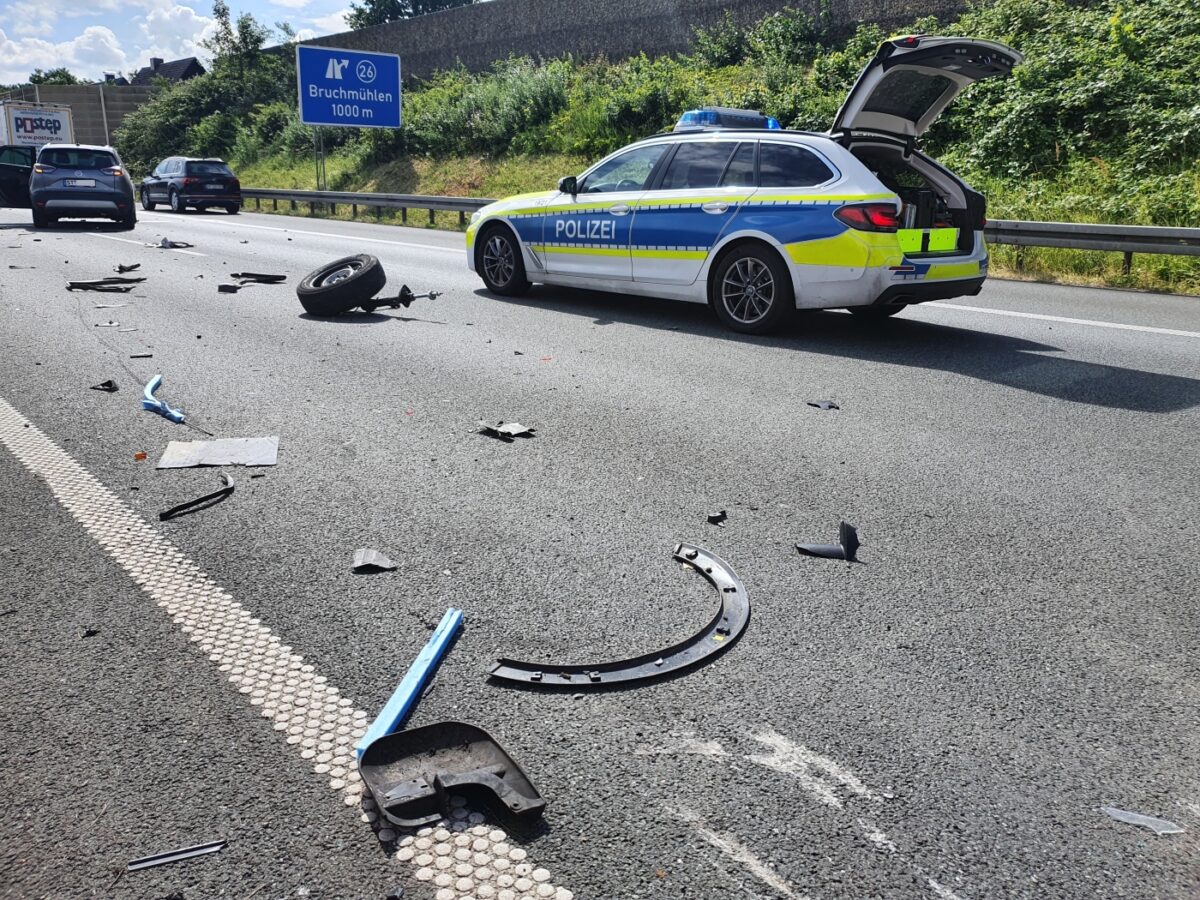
348 87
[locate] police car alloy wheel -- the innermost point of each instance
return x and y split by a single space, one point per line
752 291
500 262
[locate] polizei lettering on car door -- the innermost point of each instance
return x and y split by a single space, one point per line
585 229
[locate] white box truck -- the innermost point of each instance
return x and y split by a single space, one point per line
27 124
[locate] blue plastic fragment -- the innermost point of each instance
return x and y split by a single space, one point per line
396 710
150 402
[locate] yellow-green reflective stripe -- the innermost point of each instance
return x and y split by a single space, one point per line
852 249
670 254
952 270
692 201
583 251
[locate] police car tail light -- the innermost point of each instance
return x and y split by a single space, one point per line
869 216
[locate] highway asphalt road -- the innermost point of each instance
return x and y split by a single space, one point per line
944 719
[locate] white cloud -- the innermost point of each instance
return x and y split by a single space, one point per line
292 4
89 54
173 31
334 23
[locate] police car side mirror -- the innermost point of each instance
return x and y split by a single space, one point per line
568 185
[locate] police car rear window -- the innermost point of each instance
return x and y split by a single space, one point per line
907 94
697 165
784 165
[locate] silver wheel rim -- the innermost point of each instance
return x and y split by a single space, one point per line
498 262
748 290
174 201
336 275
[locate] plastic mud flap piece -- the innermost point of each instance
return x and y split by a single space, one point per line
725 628
411 773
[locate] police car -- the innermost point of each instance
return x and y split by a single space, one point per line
731 210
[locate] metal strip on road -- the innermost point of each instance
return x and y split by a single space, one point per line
1064 319
329 234
463 858
113 237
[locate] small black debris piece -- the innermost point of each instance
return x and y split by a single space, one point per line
87 631
109 324
118 284
405 298
122 268
22 267
846 548
226 287
368 560
201 502
258 278
506 431
141 356
823 404
717 519
172 856
109 387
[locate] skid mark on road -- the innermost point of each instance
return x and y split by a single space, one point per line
819 776
309 713
740 854
685 745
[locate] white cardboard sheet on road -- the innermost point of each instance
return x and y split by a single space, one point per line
261 451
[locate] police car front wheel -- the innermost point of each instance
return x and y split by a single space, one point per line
500 263
751 290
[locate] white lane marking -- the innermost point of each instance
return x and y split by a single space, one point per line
314 717
686 744
942 891
113 237
877 837
739 853
819 775
1064 319
347 237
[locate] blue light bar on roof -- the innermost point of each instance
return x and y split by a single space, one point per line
723 117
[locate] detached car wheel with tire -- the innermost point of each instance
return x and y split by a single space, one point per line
499 262
751 290
341 285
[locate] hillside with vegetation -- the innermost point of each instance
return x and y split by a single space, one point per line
1101 123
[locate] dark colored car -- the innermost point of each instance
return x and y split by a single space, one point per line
80 181
16 167
180 182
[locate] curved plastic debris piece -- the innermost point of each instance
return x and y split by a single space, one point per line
1158 826
725 628
846 548
152 403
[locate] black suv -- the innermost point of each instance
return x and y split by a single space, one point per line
181 182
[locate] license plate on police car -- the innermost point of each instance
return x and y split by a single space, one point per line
81 182
214 187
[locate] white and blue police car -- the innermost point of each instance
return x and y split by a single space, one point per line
731 210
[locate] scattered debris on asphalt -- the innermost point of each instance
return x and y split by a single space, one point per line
226 287
109 305
400 704
717 519
823 404
846 548
367 560
1158 826
126 331
262 451
87 631
122 268
168 244
109 324
140 456
112 284
412 773
506 431
153 404
109 387
347 283
719 635
174 856
405 298
201 502
141 355
515 352
258 278
22 267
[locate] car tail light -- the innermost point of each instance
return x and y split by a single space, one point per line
42 169
869 216
112 170
235 184
191 180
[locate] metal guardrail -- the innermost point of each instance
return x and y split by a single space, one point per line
332 199
1127 239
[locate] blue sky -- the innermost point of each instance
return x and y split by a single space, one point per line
91 37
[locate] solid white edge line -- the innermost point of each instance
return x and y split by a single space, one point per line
349 237
113 237
1064 319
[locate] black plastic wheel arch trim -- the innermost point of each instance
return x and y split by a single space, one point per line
726 627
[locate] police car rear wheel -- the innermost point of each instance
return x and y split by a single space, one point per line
500 264
752 291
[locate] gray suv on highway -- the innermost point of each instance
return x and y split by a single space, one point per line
80 181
